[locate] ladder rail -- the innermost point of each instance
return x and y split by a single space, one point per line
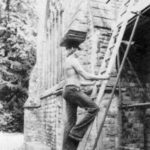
125 19
113 57
111 41
118 76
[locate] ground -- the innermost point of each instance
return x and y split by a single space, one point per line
11 141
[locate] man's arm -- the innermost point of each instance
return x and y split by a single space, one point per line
88 76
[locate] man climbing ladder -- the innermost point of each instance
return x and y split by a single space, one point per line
73 133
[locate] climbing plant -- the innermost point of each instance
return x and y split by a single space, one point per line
18 22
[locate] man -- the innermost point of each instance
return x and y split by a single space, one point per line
73 133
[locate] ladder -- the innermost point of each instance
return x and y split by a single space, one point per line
110 58
114 44
111 54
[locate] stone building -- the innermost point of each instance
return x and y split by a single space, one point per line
89 22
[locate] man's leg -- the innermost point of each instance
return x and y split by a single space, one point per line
83 101
71 110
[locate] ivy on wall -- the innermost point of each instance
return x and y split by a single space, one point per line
18 21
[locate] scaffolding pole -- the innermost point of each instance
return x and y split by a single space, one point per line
118 77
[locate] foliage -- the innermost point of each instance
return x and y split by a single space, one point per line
17 56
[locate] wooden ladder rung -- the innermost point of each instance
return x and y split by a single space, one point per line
107 59
116 35
119 24
103 71
123 12
111 47
126 3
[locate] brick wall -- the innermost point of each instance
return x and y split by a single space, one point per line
41 124
42 117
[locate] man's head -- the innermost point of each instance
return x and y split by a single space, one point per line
72 47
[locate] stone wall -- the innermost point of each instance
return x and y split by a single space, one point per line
40 115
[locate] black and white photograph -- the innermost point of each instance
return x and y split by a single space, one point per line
74 74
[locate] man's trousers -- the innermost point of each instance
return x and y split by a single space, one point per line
75 97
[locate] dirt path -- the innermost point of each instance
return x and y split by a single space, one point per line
11 141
